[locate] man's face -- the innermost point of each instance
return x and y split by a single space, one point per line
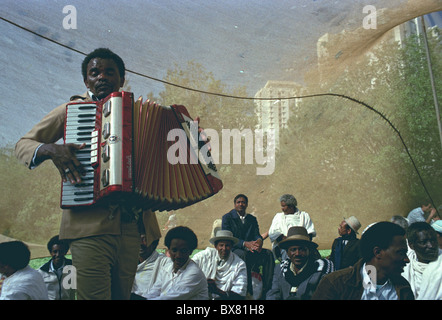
224 247
6 270
298 254
57 253
394 258
241 205
179 253
287 209
343 229
426 246
145 251
103 77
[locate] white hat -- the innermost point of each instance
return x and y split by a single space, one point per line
353 223
437 225
223 235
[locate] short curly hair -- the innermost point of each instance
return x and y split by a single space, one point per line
56 240
183 233
103 53
289 200
15 254
415 228
241 196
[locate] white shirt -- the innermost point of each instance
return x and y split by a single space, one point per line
24 284
188 283
172 221
229 275
372 291
281 223
147 273
243 218
416 215
425 278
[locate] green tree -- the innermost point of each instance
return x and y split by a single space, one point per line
417 110
215 110
350 148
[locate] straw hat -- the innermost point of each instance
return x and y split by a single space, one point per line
353 223
297 235
223 235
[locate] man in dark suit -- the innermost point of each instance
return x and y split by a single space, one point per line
345 249
245 228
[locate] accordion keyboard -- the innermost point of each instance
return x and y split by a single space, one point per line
80 123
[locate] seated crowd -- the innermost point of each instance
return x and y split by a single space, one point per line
400 259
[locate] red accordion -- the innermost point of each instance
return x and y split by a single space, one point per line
129 151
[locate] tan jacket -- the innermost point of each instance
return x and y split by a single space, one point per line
84 221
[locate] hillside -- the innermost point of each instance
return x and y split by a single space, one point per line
338 158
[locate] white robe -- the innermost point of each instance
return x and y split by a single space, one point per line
147 272
188 283
281 223
425 278
24 284
229 275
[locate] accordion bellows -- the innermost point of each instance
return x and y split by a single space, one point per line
127 152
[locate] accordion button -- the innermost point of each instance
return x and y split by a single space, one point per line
105 155
107 109
105 178
106 130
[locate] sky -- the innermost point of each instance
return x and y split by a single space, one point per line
243 43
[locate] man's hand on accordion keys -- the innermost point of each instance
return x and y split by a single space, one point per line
64 158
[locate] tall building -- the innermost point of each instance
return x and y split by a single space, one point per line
275 103
415 26
331 48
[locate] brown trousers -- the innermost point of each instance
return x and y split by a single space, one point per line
106 264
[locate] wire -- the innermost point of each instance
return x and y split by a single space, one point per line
251 98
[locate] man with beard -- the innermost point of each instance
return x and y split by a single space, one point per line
424 270
297 277
377 276
54 273
104 237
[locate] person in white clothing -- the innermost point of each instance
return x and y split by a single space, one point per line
424 270
180 278
171 222
150 262
21 282
437 226
290 216
226 273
